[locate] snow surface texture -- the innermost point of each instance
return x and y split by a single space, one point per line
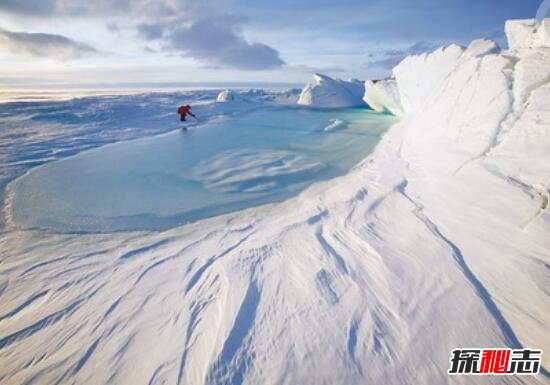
326 92
439 239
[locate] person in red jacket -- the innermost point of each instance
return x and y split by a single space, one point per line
184 110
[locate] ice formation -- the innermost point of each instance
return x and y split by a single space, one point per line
481 47
528 33
228 96
383 96
324 91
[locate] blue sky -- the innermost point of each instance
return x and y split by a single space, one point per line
107 41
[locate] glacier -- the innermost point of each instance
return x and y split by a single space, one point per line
437 240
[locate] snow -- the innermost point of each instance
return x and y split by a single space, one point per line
383 96
482 47
418 75
437 240
324 91
255 96
227 96
528 33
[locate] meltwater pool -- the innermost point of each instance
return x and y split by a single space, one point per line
159 182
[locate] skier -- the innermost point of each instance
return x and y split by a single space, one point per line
184 110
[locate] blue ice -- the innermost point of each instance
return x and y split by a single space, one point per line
155 183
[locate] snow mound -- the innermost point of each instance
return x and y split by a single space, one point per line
324 91
383 96
528 33
228 96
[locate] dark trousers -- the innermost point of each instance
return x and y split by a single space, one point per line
182 117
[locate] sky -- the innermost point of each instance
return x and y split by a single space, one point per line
87 42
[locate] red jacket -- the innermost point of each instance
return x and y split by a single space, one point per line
182 110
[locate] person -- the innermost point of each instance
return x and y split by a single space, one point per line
184 110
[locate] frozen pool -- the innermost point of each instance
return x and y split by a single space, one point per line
159 182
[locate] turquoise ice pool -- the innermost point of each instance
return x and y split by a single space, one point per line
162 181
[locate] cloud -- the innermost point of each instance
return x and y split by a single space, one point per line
44 45
28 7
112 26
181 27
217 43
47 8
391 58
150 31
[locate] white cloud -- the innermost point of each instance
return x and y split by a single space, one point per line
44 45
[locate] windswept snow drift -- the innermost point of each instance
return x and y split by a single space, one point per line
438 240
324 91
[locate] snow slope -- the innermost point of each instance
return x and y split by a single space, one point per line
437 240
324 91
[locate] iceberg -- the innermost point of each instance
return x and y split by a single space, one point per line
324 91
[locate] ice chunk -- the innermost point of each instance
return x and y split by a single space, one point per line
324 91
228 96
529 33
334 125
530 73
383 95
